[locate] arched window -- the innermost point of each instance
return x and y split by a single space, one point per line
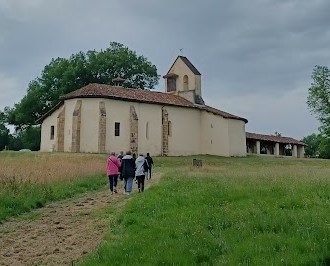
147 130
52 132
169 128
185 83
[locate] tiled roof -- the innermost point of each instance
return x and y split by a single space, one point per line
170 75
94 90
285 140
221 113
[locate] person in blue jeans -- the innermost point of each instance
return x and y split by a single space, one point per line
128 172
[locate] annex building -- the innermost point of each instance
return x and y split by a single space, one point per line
260 144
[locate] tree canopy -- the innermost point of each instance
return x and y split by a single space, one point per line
313 144
62 76
4 136
318 101
319 97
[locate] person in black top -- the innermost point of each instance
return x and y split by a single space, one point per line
120 155
150 163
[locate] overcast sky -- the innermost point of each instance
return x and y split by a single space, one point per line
256 57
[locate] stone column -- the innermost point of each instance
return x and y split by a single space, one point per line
60 131
294 151
102 127
277 149
301 152
133 130
76 124
258 147
165 132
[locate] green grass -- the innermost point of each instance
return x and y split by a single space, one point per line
17 197
233 211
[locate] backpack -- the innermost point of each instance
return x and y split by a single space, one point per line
145 165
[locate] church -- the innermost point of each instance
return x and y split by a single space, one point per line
101 118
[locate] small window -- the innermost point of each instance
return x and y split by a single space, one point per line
211 126
52 132
169 128
117 129
147 130
185 83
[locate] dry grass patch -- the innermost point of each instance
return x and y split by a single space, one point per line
49 167
30 180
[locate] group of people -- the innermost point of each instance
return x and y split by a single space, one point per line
128 168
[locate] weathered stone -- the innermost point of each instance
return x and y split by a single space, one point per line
102 127
134 123
165 132
76 124
60 131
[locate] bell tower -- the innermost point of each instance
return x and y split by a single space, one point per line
184 79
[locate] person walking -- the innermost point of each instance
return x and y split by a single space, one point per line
120 155
139 172
150 163
128 171
113 165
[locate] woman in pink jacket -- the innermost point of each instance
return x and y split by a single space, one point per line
113 165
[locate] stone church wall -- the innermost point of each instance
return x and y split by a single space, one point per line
186 131
237 138
214 136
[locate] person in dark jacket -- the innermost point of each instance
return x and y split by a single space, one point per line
150 163
128 172
120 157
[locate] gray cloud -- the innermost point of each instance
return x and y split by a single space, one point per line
249 52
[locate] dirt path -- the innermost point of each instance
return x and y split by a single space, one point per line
60 233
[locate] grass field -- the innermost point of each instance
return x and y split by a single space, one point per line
232 211
30 180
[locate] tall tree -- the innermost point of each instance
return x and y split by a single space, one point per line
4 132
62 76
313 144
4 136
318 99
325 148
